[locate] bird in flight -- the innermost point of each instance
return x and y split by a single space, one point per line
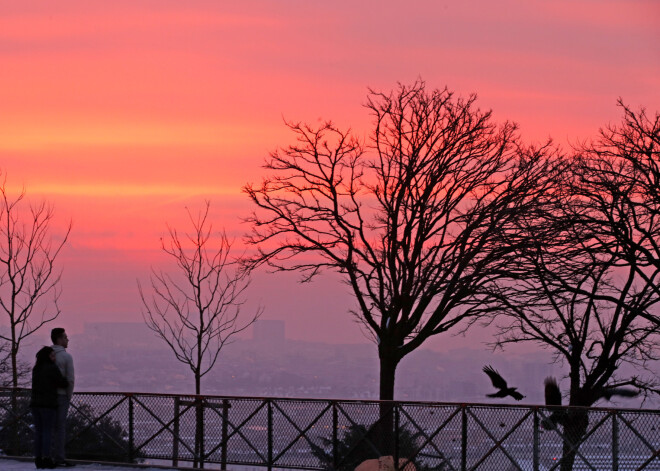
500 383
553 398
607 392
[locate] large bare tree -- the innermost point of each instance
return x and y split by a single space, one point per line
29 279
582 285
623 166
196 309
407 219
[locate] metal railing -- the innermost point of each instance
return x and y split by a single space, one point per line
338 434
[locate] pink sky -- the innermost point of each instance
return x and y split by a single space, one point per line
122 113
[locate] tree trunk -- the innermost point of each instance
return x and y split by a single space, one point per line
199 432
575 427
14 400
14 354
385 432
577 420
199 423
14 367
387 374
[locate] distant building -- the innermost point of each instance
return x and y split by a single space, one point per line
118 334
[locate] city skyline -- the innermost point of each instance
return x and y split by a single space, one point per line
265 361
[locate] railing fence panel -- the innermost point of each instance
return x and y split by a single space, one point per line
314 434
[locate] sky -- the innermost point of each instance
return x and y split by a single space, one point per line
122 114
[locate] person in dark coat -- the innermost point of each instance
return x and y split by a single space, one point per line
46 378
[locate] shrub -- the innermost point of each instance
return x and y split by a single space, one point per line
359 443
105 440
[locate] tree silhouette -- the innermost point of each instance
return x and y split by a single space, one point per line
29 280
196 310
581 286
408 220
622 166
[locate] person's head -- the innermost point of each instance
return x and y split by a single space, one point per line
59 337
44 356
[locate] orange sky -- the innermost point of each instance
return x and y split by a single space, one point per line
122 113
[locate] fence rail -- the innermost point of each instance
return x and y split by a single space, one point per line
319 434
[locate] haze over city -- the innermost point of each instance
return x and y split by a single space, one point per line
123 114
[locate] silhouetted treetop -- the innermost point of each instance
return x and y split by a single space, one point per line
407 217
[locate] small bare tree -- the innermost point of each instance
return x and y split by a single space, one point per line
29 281
196 310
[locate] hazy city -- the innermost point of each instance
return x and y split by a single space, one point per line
330 236
128 357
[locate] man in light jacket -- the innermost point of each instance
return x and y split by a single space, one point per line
64 362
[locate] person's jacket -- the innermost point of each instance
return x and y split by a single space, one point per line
46 379
64 361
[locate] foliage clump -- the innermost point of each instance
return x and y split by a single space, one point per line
360 443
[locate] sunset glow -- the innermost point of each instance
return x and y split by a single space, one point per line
124 113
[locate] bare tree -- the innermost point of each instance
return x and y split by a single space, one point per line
29 281
196 310
623 165
579 288
408 220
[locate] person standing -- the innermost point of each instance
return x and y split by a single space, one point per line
64 362
46 378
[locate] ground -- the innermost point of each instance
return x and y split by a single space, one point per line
11 465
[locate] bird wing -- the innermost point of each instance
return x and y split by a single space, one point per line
552 392
500 393
495 377
608 392
516 395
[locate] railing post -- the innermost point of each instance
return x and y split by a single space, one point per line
200 427
175 443
396 436
225 430
131 428
464 424
535 450
270 434
335 432
615 442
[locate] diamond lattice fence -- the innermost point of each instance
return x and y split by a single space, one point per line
338 435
